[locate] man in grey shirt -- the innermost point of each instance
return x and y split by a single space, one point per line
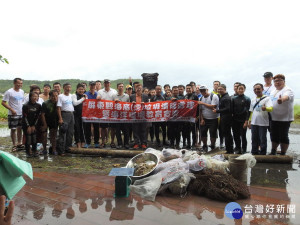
121 97
12 100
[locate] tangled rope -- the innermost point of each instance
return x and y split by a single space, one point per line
218 186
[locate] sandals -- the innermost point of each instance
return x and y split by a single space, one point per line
21 146
18 148
14 148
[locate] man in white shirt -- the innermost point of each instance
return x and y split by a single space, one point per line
282 115
12 100
65 110
209 119
107 93
259 120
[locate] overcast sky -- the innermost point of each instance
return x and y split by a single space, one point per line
183 41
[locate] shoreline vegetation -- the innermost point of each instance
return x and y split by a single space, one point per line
297 114
7 84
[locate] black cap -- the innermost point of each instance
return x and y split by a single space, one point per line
106 80
268 74
92 83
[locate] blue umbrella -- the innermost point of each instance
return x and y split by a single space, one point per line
12 170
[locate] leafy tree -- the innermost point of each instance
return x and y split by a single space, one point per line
4 60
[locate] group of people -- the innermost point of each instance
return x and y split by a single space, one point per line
57 113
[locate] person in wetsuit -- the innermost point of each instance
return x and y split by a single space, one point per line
240 111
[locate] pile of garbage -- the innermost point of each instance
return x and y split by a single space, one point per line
182 171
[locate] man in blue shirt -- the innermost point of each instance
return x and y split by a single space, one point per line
92 94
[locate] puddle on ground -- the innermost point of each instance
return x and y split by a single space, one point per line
4 132
270 184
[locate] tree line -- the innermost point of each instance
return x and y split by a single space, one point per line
7 84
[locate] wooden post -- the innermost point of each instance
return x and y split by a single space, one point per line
106 152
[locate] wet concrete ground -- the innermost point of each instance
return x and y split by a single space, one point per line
76 190
66 198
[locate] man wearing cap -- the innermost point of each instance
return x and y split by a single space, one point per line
268 86
45 94
91 94
208 119
107 93
129 89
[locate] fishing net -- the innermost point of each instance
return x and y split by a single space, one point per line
218 186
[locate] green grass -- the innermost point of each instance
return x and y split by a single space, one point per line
297 113
3 111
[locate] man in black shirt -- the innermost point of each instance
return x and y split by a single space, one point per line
190 127
181 89
166 87
235 86
157 98
225 117
50 120
174 127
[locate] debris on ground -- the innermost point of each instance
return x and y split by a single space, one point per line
182 171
